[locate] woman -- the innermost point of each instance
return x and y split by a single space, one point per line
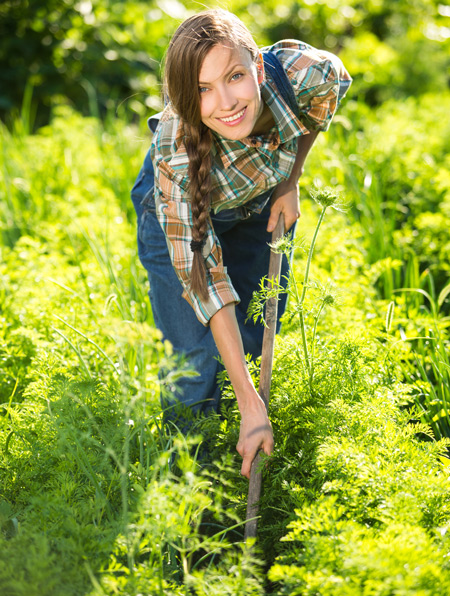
225 161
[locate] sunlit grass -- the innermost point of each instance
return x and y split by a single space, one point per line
91 502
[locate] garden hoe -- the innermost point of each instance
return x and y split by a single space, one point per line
254 488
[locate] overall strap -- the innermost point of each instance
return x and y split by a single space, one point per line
275 70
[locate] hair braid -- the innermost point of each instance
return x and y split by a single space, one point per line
198 143
187 50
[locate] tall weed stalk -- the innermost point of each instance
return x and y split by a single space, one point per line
325 198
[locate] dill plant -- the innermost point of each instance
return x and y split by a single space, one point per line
325 197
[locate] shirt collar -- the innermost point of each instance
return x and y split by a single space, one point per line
287 123
176 167
287 127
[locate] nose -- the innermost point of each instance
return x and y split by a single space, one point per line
226 99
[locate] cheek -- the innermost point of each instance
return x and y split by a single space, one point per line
252 91
206 105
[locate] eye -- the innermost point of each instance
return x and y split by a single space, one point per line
237 76
203 89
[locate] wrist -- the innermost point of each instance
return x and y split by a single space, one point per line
250 402
295 177
289 184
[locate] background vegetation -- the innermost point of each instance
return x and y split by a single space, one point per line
100 53
356 495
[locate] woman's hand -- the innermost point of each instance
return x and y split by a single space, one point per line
285 199
255 433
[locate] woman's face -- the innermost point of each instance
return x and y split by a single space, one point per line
230 98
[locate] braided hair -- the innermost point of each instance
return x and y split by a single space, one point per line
192 41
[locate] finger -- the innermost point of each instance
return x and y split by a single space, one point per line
267 446
290 221
273 219
247 466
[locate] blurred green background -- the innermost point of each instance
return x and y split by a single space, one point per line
101 54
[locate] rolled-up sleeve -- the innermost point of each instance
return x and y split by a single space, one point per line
175 217
319 79
319 88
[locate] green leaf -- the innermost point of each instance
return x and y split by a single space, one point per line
10 528
443 295
389 316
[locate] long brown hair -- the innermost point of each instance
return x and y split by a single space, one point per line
192 41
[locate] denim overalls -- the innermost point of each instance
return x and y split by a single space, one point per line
244 241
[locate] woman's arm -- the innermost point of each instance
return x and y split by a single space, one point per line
256 431
285 198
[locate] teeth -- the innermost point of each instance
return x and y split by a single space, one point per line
233 118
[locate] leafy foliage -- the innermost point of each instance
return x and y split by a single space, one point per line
96 498
372 528
103 55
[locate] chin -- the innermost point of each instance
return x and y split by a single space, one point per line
238 134
234 137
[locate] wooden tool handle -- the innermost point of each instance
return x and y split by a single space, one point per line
254 487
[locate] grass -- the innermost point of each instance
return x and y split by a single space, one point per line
90 502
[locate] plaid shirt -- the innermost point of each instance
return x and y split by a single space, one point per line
243 169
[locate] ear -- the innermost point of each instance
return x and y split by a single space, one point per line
260 68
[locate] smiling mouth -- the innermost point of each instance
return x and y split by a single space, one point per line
233 118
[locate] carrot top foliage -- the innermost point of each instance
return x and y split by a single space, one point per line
97 498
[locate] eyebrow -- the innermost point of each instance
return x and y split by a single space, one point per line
226 74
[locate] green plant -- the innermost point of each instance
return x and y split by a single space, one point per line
431 362
380 503
86 464
325 198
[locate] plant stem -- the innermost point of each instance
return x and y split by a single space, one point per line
305 342
310 254
313 341
302 297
